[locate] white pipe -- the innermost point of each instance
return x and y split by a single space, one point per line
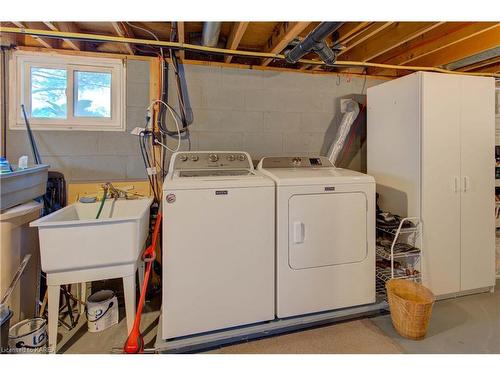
350 109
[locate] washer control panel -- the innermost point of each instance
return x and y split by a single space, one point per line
210 160
296 162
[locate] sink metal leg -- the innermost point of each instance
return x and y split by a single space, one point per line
129 293
140 271
53 302
82 297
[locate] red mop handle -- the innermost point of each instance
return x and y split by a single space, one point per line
135 341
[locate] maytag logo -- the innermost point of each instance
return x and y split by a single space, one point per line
330 188
220 192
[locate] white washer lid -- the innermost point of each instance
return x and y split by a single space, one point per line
253 179
316 176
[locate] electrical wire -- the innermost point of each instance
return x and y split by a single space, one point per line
143 145
174 116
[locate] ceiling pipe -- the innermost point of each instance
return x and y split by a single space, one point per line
210 34
315 42
191 47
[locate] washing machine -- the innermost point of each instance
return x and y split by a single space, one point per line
218 243
325 235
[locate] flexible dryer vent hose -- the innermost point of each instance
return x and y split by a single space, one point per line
351 112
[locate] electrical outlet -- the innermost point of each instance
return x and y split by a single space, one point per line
137 131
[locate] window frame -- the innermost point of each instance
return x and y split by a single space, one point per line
20 91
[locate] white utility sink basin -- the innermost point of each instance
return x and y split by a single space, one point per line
72 239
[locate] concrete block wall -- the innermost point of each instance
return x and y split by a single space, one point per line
264 112
89 155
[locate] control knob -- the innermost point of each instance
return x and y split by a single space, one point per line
183 157
195 157
213 157
241 157
230 157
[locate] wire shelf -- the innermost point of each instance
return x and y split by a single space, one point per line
385 253
394 231
385 274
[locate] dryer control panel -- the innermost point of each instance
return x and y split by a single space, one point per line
296 162
211 160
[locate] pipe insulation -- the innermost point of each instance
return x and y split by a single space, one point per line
210 34
350 108
225 51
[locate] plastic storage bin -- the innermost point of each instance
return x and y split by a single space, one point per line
22 185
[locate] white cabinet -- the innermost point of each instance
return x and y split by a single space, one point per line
431 150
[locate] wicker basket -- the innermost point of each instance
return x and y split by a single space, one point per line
411 307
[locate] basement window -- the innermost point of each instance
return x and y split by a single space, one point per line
62 92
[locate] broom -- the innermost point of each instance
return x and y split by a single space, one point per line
135 341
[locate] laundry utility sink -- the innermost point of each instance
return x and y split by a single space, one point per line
73 239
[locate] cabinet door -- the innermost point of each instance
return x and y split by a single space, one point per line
440 182
477 124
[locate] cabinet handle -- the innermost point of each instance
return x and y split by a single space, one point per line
466 184
456 187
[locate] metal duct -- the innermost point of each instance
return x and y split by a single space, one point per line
210 35
315 42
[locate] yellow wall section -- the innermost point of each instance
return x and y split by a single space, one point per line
77 190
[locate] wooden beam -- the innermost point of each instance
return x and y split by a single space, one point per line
349 30
44 42
366 33
494 68
459 50
121 30
66 27
181 38
282 36
393 36
479 64
235 36
434 41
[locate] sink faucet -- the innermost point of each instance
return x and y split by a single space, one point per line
116 193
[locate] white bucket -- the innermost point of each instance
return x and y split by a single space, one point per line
102 310
28 336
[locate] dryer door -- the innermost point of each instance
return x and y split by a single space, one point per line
326 229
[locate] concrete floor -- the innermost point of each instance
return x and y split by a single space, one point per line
80 341
469 324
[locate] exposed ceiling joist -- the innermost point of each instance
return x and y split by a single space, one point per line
122 30
349 31
438 39
45 42
370 31
66 27
477 58
495 68
457 51
234 39
480 64
391 37
282 36
181 38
